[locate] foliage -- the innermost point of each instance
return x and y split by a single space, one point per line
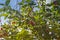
27 24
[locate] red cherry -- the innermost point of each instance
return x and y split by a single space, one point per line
5 34
1 28
1 36
13 22
32 22
47 30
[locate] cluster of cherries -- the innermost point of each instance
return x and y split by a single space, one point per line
32 22
2 33
55 2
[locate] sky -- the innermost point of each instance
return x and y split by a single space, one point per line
13 4
2 18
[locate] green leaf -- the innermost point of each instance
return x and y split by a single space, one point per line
4 14
28 1
7 2
20 3
1 4
36 18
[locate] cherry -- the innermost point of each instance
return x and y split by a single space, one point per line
13 22
1 28
55 2
32 22
1 36
47 30
5 34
